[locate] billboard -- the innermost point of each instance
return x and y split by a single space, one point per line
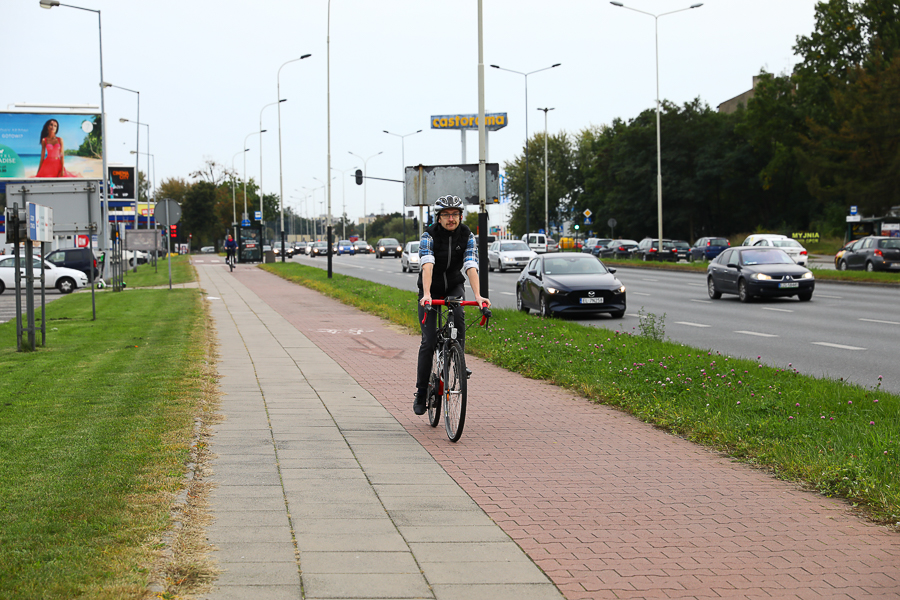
51 145
121 183
493 121
424 185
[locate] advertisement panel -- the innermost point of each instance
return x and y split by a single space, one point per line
50 145
121 183
493 121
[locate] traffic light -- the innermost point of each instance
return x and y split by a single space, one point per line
359 177
576 227
173 231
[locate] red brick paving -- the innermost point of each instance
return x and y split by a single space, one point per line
607 506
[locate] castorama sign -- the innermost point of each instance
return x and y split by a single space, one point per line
493 121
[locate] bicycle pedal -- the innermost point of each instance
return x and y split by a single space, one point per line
468 373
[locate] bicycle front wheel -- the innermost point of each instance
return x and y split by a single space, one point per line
435 389
454 391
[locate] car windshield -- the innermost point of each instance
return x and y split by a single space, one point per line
718 242
786 244
390 242
765 257
680 244
344 242
413 247
889 243
320 245
574 265
514 247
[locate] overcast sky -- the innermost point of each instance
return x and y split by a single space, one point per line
205 69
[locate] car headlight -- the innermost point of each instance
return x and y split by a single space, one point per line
414 258
556 291
760 276
807 275
381 248
399 248
620 289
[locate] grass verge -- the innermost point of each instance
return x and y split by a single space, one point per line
95 429
149 276
841 439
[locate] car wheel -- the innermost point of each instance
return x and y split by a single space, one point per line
690 258
805 296
743 292
644 257
66 285
404 267
617 314
545 306
870 266
520 304
490 267
711 289
2 287
842 265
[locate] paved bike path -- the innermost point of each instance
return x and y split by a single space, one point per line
606 506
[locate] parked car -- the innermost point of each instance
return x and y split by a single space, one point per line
758 271
319 249
681 249
593 245
872 253
63 279
536 241
618 249
792 248
648 250
80 259
707 248
552 245
345 247
409 260
841 252
388 247
208 250
363 247
509 254
569 283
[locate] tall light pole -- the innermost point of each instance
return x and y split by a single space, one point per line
259 133
328 119
104 224
262 202
525 75
365 187
137 158
234 220
546 174
403 174
343 202
659 213
138 125
280 176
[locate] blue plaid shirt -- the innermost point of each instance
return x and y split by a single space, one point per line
426 252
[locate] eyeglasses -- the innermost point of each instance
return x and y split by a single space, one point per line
452 215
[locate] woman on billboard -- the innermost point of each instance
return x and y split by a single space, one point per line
52 152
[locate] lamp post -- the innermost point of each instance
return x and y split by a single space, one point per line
261 193
260 132
659 214
234 220
546 174
402 173
137 174
344 201
525 75
104 230
280 176
137 149
365 187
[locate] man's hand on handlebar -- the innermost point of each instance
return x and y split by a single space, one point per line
426 300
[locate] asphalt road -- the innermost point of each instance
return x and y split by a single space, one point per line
848 331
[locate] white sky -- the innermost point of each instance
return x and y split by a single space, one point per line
206 68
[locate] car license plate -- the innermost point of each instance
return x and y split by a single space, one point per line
790 284
592 300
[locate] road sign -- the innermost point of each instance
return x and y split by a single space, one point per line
167 212
587 221
259 215
853 210
611 222
40 222
587 213
853 218
245 223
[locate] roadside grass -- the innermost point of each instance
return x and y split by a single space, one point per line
840 439
149 276
95 429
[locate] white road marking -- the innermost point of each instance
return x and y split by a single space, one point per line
877 321
702 301
838 346
777 309
638 294
703 285
508 293
832 297
689 324
645 279
756 333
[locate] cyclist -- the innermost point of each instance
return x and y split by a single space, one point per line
230 249
446 251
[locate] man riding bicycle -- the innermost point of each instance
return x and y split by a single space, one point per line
446 251
230 249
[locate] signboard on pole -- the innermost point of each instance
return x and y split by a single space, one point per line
122 183
424 185
40 222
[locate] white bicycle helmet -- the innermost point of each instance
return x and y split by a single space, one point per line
445 202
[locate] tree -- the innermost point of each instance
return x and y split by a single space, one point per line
211 172
198 214
559 180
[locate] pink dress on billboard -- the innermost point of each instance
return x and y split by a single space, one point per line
52 165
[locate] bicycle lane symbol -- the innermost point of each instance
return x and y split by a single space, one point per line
367 345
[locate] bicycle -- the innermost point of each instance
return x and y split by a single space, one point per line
229 260
447 383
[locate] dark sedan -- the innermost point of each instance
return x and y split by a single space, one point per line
618 249
758 271
872 253
569 283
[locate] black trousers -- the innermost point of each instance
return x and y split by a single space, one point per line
429 336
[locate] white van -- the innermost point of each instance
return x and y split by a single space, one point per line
536 241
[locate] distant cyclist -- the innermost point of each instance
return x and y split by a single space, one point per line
230 250
446 251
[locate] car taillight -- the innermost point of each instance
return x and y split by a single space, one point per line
879 253
622 248
653 249
803 252
708 243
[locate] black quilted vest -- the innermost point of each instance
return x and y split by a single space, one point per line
449 255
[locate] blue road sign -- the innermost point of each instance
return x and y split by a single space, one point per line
245 223
587 221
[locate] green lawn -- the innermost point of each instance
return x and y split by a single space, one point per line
841 439
94 432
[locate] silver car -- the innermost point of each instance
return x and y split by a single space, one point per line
509 254
409 260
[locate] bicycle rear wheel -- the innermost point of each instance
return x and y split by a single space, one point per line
454 391
435 389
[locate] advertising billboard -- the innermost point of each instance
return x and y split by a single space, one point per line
493 121
121 183
50 145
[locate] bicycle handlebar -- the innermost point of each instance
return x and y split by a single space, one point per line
485 311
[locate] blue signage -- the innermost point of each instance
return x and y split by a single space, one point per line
245 223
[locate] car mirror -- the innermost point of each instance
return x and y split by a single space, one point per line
533 273
611 270
733 266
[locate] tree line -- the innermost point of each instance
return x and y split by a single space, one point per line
807 146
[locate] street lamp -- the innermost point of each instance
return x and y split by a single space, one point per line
546 172
659 214
104 234
260 132
403 174
280 177
234 220
365 186
261 193
525 75
137 174
137 149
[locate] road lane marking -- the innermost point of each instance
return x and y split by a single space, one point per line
508 293
832 297
777 309
689 324
838 346
756 333
638 294
878 321
703 285
701 301
645 279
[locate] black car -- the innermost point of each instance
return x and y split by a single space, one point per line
569 283
872 253
388 247
707 248
593 245
648 250
80 259
617 249
319 249
758 271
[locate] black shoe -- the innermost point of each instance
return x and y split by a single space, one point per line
419 403
468 373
